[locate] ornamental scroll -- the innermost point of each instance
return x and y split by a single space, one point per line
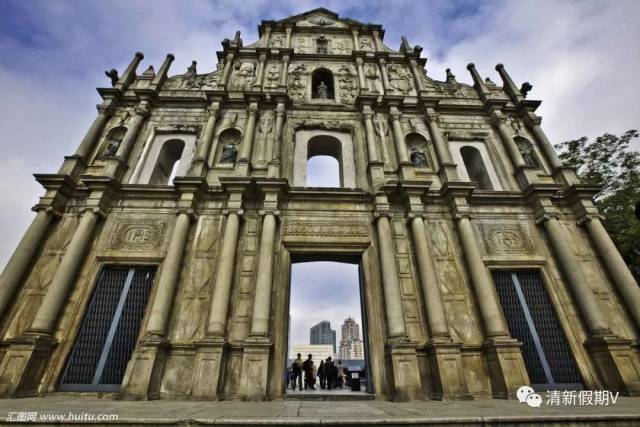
506 239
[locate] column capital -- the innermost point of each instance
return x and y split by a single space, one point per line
498 118
187 211
214 108
382 61
359 61
462 214
588 218
237 211
274 212
395 113
262 57
143 109
531 119
106 109
48 209
252 109
367 114
285 58
546 216
432 116
280 109
97 210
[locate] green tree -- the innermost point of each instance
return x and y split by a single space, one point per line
609 162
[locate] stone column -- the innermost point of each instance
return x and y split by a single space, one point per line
618 269
264 279
356 43
168 280
224 277
129 74
372 151
500 121
267 36
583 295
361 79
226 71
376 41
416 74
431 292
398 137
105 111
385 75
488 302
20 261
288 38
257 85
533 123
284 73
202 160
244 159
115 166
275 163
390 284
448 170
53 302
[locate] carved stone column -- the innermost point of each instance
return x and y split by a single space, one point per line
264 277
257 84
284 73
398 136
20 261
376 41
356 43
413 65
116 166
390 285
375 166
204 155
244 160
288 31
276 161
105 111
616 266
226 71
361 79
385 75
267 35
448 170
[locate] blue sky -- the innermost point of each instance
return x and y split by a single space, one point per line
582 58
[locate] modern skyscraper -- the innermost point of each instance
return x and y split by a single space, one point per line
323 334
351 346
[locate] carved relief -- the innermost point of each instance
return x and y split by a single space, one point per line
366 44
341 47
316 228
297 85
138 234
320 21
347 85
506 239
399 78
277 40
244 76
371 74
273 76
265 127
301 45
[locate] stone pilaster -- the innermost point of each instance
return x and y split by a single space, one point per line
284 73
448 170
105 111
204 155
243 166
276 161
116 166
257 85
524 174
404 165
375 166
226 71
413 65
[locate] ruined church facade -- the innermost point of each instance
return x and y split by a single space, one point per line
158 262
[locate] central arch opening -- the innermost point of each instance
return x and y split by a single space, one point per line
324 162
328 323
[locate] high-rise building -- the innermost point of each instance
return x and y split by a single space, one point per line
323 334
351 346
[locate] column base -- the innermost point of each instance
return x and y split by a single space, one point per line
506 367
143 376
255 369
210 355
406 371
526 176
445 361
376 174
243 167
448 173
617 363
24 363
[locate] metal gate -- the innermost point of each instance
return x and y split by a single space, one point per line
532 320
109 330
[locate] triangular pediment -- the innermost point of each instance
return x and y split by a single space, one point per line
319 18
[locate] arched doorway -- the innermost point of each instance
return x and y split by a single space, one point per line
313 143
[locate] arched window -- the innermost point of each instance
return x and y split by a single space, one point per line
324 162
229 143
112 142
475 167
528 152
322 84
417 146
168 160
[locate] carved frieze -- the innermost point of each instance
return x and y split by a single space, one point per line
138 234
323 229
506 239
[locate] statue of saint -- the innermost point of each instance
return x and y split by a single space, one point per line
417 157
229 153
528 155
111 149
323 91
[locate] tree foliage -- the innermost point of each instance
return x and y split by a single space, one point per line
608 161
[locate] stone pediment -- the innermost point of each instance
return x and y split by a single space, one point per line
319 18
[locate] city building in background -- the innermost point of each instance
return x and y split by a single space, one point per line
323 334
351 346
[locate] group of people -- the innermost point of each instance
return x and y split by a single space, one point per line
330 375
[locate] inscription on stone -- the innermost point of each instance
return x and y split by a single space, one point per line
314 228
144 234
506 239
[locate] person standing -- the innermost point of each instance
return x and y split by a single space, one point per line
331 373
307 367
340 379
322 375
296 374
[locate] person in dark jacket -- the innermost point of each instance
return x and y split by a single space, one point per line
296 372
331 372
322 375
307 367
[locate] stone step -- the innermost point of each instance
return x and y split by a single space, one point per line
338 395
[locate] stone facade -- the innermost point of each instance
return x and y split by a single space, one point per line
443 185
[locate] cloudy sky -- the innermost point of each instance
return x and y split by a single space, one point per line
582 58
